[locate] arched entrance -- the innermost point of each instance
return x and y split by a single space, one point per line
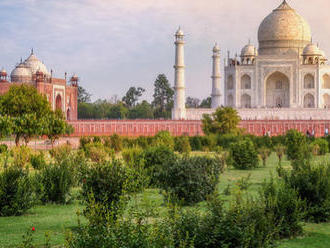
246 101
68 114
246 82
309 101
230 101
326 101
58 102
278 91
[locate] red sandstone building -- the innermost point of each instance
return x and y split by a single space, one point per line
60 93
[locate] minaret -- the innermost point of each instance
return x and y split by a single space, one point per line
215 103
179 109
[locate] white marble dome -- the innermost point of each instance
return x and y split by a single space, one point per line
35 65
283 29
248 50
312 50
21 70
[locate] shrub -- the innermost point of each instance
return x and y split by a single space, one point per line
261 141
182 144
164 138
264 153
83 141
297 147
323 146
96 152
196 143
225 140
191 179
21 155
209 142
61 153
286 207
55 181
116 142
312 182
280 151
38 160
16 191
3 148
132 156
243 155
156 159
143 142
96 139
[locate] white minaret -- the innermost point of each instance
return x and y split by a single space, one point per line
215 103
179 109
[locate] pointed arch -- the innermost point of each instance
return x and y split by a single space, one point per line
246 82
326 101
230 100
309 101
58 102
246 101
230 83
277 90
309 81
326 81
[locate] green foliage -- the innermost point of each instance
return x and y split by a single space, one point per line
244 182
297 147
57 126
3 148
142 110
102 109
16 191
286 207
182 145
83 95
163 97
55 181
312 182
191 179
244 155
264 153
96 152
143 141
224 120
21 155
280 151
164 138
209 142
61 153
6 125
196 143
156 159
83 141
116 143
132 96
132 156
38 160
225 140
323 146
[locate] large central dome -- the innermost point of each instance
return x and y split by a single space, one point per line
284 31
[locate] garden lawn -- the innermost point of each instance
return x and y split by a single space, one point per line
54 219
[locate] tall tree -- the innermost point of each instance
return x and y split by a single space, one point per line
83 95
142 110
163 97
192 102
57 126
206 103
223 120
132 96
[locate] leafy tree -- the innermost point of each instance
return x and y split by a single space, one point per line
264 153
132 96
163 97
192 102
141 111
223 121
57 126
206 103
6 125
83 95
297 147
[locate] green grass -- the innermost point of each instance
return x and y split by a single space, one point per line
55 219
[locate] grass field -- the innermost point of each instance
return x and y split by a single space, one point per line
56 219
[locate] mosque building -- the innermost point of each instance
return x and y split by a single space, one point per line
60 93
287 77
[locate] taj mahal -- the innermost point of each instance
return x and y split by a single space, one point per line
285 78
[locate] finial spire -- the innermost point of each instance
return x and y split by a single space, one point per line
32 51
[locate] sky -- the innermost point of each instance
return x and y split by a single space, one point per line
115 44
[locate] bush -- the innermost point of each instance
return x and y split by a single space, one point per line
323 146
297 147
225 140
312 182
196 143
182 144
38 160
21 155
96 152
191 179
55 182
83 141
3 148
133 156
209 142
61 153
143 142
16 191
156 159
116 143
243 155
264 153
164 138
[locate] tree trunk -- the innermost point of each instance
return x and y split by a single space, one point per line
17 140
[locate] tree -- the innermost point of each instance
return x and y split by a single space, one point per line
27 109
206 103
163 97
192 102
141 111
223 121
6 125
83 95
132 96
57 126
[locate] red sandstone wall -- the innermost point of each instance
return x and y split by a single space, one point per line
191 128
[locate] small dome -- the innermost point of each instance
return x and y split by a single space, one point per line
3 72
248 50
21 70
312 50
179 32
216 48
35 65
